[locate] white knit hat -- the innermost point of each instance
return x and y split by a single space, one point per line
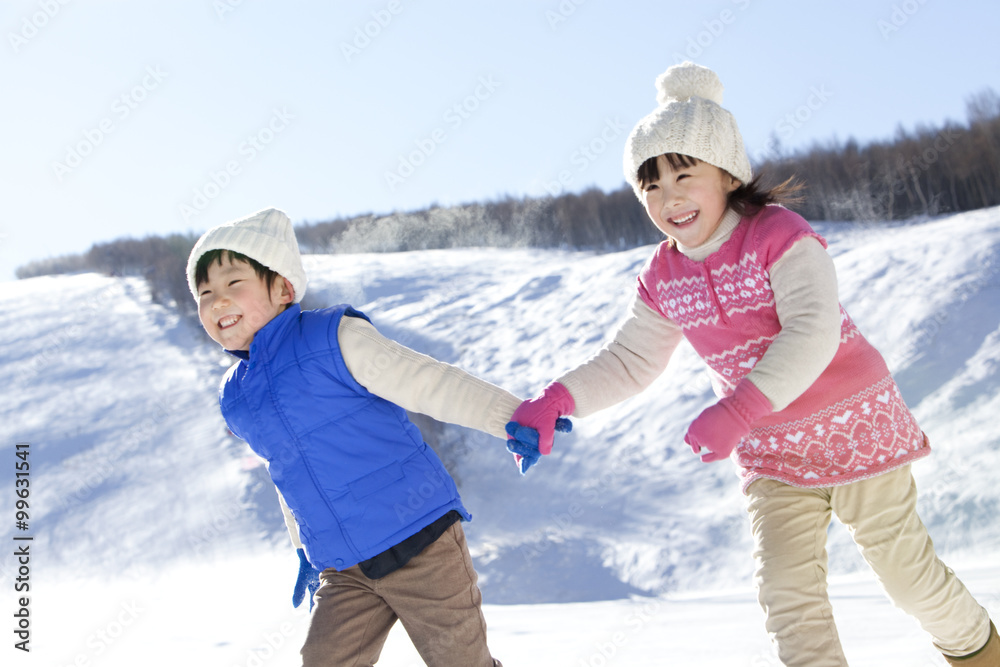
266 236
689 120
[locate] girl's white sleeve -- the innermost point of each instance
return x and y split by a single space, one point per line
635 357
420 383
804 282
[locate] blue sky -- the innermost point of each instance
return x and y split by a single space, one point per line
135 118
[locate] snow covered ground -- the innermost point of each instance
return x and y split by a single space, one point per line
157 539
238 614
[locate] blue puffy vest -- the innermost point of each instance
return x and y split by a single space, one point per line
352 468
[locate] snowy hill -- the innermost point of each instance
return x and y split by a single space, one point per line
152 526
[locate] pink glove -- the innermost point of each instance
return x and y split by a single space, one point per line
541 413
719 428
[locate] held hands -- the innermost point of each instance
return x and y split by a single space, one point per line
522 442
720 427
532 427
308 579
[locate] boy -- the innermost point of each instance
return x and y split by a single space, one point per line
321 396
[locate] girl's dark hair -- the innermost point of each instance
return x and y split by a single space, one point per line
748 197
218 255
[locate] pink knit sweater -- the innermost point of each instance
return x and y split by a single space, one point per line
850 424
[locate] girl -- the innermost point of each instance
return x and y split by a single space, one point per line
808 407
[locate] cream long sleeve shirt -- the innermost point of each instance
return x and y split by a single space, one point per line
419 383
804 283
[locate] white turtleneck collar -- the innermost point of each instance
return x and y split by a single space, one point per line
730 219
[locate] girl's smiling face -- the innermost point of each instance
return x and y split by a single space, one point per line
234 303
687 203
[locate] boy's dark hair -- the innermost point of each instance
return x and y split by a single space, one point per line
748 197
218 255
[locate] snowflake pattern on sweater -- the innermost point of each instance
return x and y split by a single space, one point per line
850 424
862 436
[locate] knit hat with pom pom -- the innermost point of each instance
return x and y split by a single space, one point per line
266 236
688 120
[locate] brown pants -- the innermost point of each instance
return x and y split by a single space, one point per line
789 528
434 596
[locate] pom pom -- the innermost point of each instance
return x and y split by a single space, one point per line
681 82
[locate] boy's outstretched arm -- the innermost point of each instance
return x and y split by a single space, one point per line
420 383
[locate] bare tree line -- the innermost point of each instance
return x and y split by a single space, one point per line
924 172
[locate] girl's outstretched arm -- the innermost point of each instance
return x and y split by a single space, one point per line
637 355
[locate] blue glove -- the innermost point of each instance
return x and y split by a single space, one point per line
523 442
308 580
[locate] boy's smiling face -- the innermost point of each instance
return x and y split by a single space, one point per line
234 303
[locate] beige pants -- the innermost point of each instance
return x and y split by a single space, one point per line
434 596
789 528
